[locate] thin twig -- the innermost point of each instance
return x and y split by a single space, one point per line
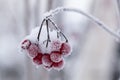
58 29
40 29
92 18
48 35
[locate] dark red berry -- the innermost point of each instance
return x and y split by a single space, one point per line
26 44
38 59
46 60
55 56
65 49
58 65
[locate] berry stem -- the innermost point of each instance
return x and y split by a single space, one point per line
58 29
40 29
48 35
89 16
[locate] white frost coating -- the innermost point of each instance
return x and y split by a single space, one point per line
90 17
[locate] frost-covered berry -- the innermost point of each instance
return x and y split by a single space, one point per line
55 45
55 56
65 49
58 65
46 60
26 44
33 50
38 59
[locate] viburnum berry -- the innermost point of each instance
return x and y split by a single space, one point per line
33 50
55 56
65 49
58 65
55 45
38 59
46 60
26 44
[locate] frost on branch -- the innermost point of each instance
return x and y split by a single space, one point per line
45 48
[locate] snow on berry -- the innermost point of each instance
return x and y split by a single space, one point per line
33 50
58 65
55 45
55 56
46 60
25 44
65 49
38 59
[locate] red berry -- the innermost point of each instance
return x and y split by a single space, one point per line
25 44
38 59
46 60
65 49
33 50
58 65
55 56
55 45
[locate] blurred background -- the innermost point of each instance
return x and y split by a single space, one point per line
95 56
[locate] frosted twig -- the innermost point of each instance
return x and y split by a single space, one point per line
89 16
48 35
58 29
40 29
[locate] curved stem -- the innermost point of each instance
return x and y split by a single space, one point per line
48 35
92 18
40 29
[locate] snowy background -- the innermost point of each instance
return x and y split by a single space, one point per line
95 55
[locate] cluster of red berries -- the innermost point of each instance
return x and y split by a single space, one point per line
54 59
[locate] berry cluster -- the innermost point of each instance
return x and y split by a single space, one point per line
54 58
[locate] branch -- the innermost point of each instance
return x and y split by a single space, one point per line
89 16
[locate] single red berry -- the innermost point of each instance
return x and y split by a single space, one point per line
38 59
58 65
55 56
56 45
26 44
46 60
33 50
65 49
